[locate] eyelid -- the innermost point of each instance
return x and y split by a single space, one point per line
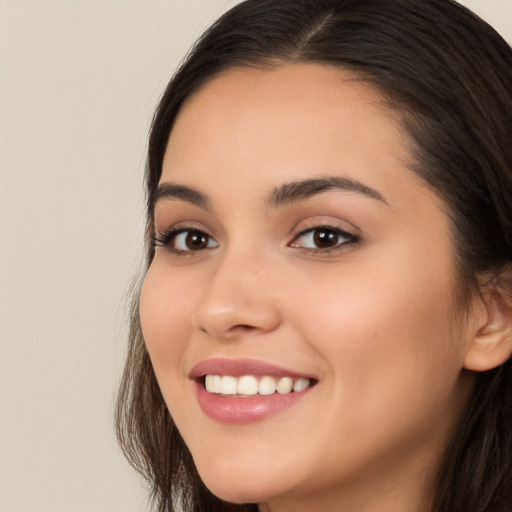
327 222
167 237
350 238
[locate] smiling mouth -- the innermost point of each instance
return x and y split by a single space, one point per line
249 385
242 391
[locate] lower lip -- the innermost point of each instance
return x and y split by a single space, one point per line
236 410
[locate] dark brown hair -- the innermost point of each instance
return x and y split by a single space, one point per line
449 75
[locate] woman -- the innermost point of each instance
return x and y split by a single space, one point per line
325 321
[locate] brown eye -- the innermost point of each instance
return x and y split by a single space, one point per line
187 240
196 240
323 238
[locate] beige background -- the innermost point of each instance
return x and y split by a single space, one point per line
78 82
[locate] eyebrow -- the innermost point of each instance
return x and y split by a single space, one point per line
299 190
280 196
170 190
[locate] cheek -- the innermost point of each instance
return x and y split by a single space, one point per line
386 327
394 361
165 319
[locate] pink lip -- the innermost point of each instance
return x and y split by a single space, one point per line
239 367
236 410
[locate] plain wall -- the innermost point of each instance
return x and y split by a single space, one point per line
78 83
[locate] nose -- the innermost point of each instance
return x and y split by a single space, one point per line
238 300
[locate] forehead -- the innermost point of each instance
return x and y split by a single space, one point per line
280 95
286 123
285 84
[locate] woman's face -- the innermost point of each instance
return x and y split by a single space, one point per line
296 248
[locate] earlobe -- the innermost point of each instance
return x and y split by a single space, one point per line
491 345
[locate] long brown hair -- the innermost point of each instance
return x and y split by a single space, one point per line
449 74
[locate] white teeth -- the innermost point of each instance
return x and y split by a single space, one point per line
248 385
285 385
300 384
228 385
213 383
217 383
208 383
267 386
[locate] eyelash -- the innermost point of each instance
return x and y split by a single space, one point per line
350 239
166 239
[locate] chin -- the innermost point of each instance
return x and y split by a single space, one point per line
234 486
236 491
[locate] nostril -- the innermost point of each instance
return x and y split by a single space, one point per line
231 332
244 327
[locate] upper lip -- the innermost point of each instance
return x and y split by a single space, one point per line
240 367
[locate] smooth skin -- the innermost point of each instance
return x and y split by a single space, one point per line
372 314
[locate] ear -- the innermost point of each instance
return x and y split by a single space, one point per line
491 344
